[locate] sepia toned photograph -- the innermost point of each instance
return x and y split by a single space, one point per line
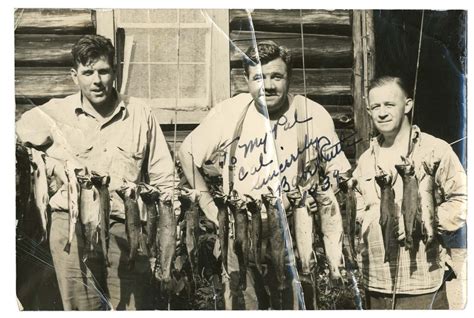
240 159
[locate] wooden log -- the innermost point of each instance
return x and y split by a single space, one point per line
360 81
318 81
314 21
44 49
320 50
54 21
42 82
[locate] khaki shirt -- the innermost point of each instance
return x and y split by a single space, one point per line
129 145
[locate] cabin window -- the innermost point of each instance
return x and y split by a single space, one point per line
172 56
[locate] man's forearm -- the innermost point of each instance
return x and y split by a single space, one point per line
196 180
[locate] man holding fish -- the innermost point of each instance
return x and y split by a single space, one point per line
99 145
272 149
405 201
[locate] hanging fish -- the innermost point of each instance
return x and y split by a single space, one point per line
388 213
241 241
223 231
73 191
331 222
40 189
303 229
89 212
150 196
166 239
254 206
192 227
410 201
101 183
133 227
428 202
348 188
276 232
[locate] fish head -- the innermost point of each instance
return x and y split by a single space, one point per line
253 205
382 178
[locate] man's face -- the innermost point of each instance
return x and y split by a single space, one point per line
95 80
388 105
271 85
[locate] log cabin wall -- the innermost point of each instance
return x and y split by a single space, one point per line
43 43
329 57
335 62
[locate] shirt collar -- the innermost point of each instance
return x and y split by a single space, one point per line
79 109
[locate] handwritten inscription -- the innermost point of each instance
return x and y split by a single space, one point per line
325 149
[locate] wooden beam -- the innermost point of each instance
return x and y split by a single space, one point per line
44 49
42 82
105 23
54 21
318 81
361 119
315 21
320 50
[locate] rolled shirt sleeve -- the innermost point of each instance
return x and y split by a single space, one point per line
160 163
451 180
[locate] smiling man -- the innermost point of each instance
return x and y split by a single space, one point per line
110 134
416 274
255 142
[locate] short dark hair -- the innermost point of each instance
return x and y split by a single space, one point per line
267 51
387 79
92 47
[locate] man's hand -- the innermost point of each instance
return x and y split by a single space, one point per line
206 202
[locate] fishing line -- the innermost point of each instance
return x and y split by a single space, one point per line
416 81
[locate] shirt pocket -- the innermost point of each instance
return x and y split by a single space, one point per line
125 165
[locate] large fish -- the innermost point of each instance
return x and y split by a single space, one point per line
388 212
276 232
166 239
223 220
133 227
331 223
150 196
89 211
348 187
410 201
101 183
192 227
241 242
303 229
40 189
73 191
254 206
428 200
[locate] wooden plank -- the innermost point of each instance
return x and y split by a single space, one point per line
361 119
105 23
54 21
184 117
44 49
320 50
318 81
42 82
314 21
